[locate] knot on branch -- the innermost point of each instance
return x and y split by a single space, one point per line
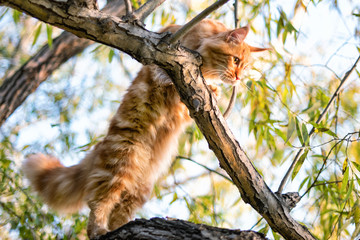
289 199
132 19
89 4
197 102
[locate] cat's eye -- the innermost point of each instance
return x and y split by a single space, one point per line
236 60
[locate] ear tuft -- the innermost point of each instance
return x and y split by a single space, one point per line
258 49
237 35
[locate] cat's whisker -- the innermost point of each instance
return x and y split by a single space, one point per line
213 72
222 67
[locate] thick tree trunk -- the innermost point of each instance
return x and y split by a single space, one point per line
162 229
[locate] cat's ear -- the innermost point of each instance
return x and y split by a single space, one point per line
237 35
258 49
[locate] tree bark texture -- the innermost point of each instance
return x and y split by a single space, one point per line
165 229
16 88
184 68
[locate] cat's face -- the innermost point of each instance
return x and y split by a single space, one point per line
226 55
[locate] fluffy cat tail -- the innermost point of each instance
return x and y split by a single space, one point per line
62 188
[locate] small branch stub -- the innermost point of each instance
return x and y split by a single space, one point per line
289 199
197 102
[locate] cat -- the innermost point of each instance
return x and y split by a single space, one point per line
116 178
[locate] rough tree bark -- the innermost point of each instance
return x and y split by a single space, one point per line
162 229
184 67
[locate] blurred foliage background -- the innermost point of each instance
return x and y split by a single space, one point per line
281 97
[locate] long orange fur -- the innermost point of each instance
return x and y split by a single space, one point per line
117 176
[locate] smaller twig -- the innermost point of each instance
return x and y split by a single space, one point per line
297 156
209 169
234 90
328 183
345 138
256 223
128 7
182 182
147 8
231 102
338 219
213 199
321 169
90 4
236 6
186 28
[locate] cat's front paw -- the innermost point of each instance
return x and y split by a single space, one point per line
96 232
215 89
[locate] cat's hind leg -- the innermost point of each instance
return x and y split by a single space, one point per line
129 203
105 191
100 210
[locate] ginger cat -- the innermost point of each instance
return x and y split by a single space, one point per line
117 176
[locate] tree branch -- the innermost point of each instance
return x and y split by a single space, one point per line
184 67
186 28
128 7
147 8
231 102
17 87
159 228
209 169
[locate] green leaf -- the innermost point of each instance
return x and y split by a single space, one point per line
265 229
135 3
331 133
284 36
280 134
49 30
299 164
37 33
351 187
175 197
291 128
157 192
16 16
299 132
318 156
305 134
303 182
356 212
357 179
280 26
345 165
312 108
111 55
276 235
345 180
25 147
249 84
357 165
357 71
